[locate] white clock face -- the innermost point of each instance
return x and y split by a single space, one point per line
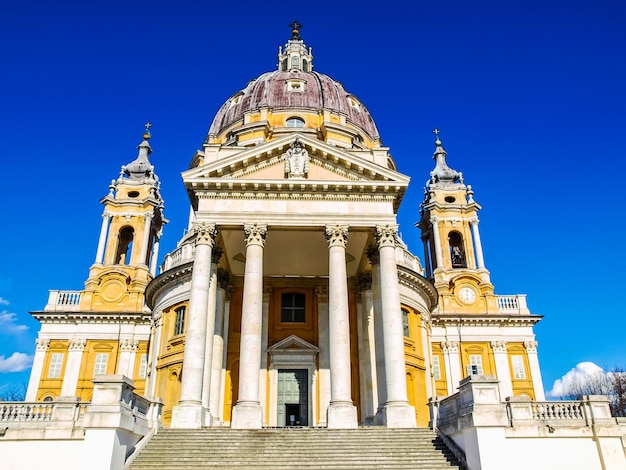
467 295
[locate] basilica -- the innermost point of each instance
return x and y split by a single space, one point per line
291 300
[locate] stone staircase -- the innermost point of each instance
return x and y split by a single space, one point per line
285 448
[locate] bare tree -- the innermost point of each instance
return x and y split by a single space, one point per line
13 393
610 384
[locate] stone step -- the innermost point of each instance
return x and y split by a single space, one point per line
306 448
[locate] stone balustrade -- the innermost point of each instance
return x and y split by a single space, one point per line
63 300
513 304
181 255
583 431
408 259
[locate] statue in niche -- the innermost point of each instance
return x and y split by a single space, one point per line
297 161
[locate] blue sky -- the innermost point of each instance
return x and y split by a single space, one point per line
529 97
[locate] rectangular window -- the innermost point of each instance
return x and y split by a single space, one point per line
405 322
179 322
519 371
56 362
143 366
476 365
436 368
293 308
101 364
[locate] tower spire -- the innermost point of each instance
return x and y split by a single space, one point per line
442 172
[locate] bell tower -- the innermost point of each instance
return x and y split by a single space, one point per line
453 255
127 252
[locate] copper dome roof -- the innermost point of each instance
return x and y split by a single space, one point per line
271 90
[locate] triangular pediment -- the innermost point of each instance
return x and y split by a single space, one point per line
292 343
266 162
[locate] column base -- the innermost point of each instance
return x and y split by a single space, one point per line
189 416
399 415
341 415
247 415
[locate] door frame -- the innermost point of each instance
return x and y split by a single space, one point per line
293 353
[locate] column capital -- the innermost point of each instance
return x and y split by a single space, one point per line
77 344
157 319
42 344
386 235
205 233
373 255
531 346
498 346
336 235
106 215
255 234
473 221
216 254
322 294
223 278
364 281
450 346
129 345
434 219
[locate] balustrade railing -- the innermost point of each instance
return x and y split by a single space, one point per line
515 304
181 255
563 410
66 300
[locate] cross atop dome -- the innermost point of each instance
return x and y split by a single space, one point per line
295 56
295 30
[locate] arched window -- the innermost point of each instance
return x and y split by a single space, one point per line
295 63
284 65
457 250
124 245
305 65
294 122
405 322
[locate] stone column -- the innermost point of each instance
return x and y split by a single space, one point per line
452 364
72 367
263 368
535 372
247 413
155 254
477 243
228 293
503 370
145 242
106 218
424 334
210 328
128 353
324 352
438 253
367 354
397 412
379 340
341 411
157 327
41 346
427 262
223 279
189 413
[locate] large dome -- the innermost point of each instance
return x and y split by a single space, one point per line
294 90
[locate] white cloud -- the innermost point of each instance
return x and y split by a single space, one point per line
4 301
563 385
17 362
9 325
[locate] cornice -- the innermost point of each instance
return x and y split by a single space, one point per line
418 283
485 320
61 317
178 273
